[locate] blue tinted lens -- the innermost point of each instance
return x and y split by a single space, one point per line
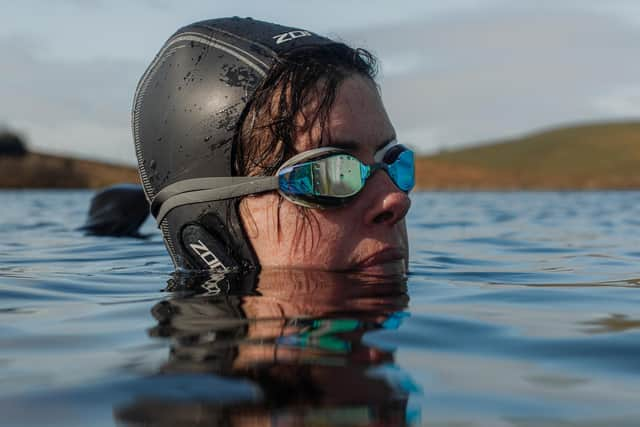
401 171
297 180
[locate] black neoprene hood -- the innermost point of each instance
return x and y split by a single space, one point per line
185 117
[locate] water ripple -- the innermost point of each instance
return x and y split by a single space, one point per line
520 309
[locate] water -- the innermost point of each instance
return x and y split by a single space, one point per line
521 309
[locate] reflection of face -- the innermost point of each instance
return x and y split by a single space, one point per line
299 294
369 232
298 336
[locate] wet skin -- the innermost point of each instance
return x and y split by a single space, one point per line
369 233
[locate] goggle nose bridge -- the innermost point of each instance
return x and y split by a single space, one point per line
371 169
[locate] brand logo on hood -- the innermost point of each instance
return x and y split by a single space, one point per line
207 256
291 35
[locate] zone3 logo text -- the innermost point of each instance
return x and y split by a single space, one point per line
287 37
207 256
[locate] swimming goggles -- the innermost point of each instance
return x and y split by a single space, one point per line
319 178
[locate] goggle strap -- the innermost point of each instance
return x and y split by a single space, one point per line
198 190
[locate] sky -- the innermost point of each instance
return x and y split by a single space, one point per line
453 73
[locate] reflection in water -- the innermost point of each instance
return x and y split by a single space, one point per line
297 335
612 323
492 345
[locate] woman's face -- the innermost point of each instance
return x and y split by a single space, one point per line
368 233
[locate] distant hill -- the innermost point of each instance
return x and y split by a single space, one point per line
33 170
593 156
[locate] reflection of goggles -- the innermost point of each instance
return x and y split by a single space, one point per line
319 178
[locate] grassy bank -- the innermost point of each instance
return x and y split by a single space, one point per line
595 156
33 170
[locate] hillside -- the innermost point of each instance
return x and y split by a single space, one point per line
33 170
594 156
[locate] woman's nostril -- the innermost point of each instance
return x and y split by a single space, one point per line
383 217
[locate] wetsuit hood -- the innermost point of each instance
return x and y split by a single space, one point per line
185 118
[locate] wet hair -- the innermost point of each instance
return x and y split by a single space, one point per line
268 128
278 112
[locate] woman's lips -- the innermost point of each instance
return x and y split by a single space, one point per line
381 257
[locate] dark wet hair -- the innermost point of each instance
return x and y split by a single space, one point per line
268 128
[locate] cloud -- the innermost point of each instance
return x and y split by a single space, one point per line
467 72
501 72
80 107
623 102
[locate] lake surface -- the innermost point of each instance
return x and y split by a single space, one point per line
521 309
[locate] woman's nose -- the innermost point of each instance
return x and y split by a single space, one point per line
388 204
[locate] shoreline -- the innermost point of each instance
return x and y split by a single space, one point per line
588 157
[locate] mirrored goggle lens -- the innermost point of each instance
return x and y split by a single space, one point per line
402 170
339 175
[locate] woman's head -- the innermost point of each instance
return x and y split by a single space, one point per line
237 97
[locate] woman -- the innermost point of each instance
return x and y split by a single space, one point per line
259 145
